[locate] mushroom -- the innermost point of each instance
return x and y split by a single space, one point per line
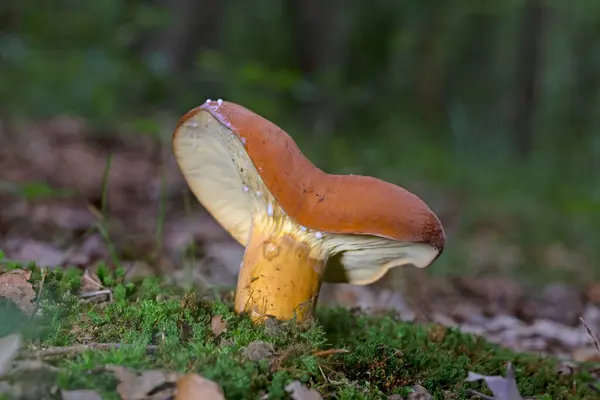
299 225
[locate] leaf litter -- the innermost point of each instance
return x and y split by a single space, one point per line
196 387
81 394
503 388
218 325
298 391
146 385
15 287
160 385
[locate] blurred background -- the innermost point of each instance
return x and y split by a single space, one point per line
489 111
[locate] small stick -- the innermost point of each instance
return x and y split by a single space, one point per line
589 331
476 393
97 293
39 294
79 348
323 353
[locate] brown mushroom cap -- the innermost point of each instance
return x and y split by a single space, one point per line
223 147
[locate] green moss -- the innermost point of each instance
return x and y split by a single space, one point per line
385 356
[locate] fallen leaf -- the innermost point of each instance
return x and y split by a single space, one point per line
557 302
395 397
586 354
82 394
43 254
145 385
419 393
9 348
90 282
300 392
592 293
121 373
217 325
197 387
15 287
503 388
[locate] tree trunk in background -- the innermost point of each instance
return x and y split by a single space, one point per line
320 33
585 91
530 49
194 25
431 75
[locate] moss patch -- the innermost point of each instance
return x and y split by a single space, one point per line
166 328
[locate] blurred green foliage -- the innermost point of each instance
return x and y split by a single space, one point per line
32 191
445 98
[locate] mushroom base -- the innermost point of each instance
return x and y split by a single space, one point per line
279 278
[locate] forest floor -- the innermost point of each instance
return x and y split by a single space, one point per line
127 225
85 336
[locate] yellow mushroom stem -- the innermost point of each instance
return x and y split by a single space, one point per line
279 277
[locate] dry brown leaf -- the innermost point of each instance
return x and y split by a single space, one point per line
134 386
586 354
15 287
81 394
592 293
217 325
90 282
419 393
197 387
503 388
300 392
43 254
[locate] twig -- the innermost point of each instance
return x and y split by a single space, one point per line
160 225
594 387
323 353
476 393
589 331
79 348
40 291
102 214
97 293
322 373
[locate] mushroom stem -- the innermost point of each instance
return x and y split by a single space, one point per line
279 277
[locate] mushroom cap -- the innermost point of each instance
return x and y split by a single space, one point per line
362 219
